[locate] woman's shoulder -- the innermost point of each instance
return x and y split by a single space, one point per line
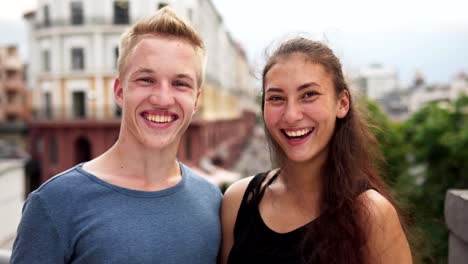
377 205
236 191
234 194
385 234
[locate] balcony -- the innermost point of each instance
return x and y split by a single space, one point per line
15 85
15 109
13 63
87 21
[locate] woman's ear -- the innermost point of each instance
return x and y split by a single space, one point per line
343 104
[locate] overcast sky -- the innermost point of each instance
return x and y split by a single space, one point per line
430 36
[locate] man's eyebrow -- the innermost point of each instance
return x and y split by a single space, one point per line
185 76
143 70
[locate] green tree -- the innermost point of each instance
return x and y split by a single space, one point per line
438 151
390 138
425 156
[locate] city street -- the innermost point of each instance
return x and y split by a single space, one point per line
11 200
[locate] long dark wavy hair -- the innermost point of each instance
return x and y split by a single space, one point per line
351 168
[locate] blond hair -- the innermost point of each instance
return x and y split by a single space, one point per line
164 23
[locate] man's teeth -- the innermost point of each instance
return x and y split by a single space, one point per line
160 118
297 133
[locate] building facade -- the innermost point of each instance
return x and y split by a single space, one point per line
73 64
423 93
375 81
14 104
14 97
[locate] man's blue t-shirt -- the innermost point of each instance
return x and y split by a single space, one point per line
76 217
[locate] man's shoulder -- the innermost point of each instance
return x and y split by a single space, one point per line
61 184
197 181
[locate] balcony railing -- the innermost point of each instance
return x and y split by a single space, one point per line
68 113
13 63
15 109
4 256
456 217
14 85
86 22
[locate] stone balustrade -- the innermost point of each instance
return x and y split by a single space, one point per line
456 218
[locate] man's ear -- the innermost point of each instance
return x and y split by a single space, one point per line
118 92
343 104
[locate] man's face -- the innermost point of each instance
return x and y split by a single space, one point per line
158 91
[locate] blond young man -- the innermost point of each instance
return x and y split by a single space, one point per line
135 203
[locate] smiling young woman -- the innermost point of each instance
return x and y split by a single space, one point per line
325 202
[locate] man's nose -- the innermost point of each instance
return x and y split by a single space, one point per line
162 95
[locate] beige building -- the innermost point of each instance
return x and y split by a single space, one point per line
73 47
74 50
14 99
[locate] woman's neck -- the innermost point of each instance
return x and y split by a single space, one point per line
302 177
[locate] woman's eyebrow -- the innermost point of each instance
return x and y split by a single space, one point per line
307 85
273 89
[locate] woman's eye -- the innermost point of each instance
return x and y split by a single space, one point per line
275 98
310 94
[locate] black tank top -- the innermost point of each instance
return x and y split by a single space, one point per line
255 242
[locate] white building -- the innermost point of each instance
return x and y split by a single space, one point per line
375 81
442 94
459 86
74 51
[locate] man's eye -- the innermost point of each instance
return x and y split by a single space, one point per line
146 80
181 83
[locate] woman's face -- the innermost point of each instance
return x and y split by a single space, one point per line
301 107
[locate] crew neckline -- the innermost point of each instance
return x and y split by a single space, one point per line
137 193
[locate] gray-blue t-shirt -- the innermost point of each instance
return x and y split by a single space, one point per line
76 217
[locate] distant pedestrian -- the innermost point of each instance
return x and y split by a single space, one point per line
325 202
136 203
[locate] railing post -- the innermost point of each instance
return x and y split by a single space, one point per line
4 256
456 218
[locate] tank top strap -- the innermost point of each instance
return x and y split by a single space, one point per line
270 181
253 189
249 203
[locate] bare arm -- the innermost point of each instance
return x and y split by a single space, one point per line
230 206
386 240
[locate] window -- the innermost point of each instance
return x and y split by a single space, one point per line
116 57
161 5
77 59
79 104
121 12
10 74
48 105
190 14
76 13
46 60
11 97
46 16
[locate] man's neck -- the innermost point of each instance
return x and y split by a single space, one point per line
134 166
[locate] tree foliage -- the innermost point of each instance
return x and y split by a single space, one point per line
426 155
